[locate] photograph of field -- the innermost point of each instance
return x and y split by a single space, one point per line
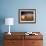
26 16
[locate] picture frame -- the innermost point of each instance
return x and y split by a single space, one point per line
27 15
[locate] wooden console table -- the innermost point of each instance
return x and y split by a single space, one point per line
20 39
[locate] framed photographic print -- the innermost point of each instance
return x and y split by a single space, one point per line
27 15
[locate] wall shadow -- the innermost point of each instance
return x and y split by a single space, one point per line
2 21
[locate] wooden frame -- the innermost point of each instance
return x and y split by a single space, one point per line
27 15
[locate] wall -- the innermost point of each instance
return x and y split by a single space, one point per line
9 8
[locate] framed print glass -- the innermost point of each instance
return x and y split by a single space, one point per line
27 15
